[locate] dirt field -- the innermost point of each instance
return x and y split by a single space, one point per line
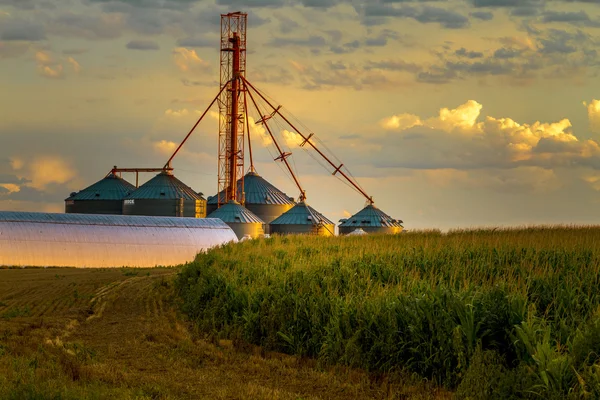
116 333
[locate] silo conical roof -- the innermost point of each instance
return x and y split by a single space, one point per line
234 212
302 214
111 187
373 217
165 186
257 191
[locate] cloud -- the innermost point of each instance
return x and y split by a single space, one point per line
18 30
462 52
198 42
458 139
47 66
92 26
424 14
311 41
593 110
76 66
482 15
142 45
46 170
177 113
181 5
164 147
188 60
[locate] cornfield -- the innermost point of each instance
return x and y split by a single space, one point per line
491 313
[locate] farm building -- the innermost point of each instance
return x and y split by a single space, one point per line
165 195
303 219
103 197
81 240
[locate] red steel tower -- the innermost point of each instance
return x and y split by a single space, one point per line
232 107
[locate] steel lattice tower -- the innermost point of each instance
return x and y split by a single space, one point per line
232 108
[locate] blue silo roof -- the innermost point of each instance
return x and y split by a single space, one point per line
111 187
371 216
258 191
301 214
165 186
234 212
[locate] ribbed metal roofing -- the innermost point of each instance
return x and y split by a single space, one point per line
258 191
302 214
112 220
111 187
164 186
234 212
371 216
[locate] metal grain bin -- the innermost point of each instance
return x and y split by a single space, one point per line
241 220
165 195
103 197
372 220
262 198
302 219
80 240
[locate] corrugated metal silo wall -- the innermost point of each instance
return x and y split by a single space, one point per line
254 230
165 208
107 207
327 230
268 212
210 208
344 230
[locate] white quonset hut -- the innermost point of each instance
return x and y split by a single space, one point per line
86 240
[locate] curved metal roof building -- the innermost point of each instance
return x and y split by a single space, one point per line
372 220
81 240
262 198
165 195
303 219
103 197
240 219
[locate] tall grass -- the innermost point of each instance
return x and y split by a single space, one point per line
508 312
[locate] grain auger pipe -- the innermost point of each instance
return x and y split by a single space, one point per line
282 155
252 169
168 164
336 168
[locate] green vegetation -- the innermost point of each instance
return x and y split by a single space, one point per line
492 314
101 334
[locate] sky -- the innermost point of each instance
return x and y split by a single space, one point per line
450 113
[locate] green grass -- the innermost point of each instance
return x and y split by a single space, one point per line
493 313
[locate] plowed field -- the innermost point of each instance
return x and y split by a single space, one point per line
116 333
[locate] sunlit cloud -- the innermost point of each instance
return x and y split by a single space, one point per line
46 170
188 60
177 113
165 147
11 187
593 110
76 66
47 66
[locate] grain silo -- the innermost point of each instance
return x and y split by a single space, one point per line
372 220
302 219
240 219
103 197
262 198
165 195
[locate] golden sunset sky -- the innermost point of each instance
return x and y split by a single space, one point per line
450 113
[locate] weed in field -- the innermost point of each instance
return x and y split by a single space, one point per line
16 312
